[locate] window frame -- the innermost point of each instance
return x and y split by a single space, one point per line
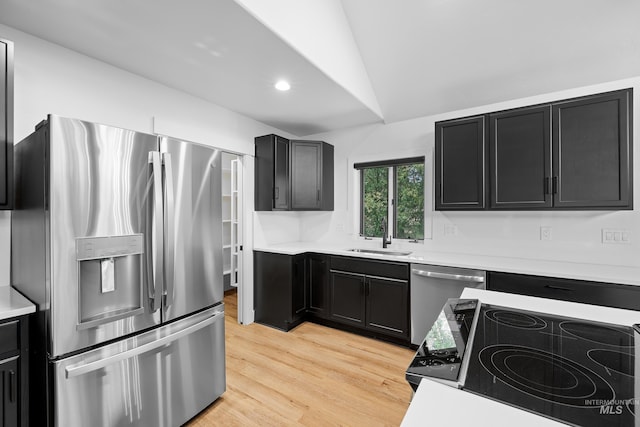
392 191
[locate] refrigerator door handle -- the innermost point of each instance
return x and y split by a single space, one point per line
157 249
85 368
169 203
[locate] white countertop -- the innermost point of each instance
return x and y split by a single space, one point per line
438 404
565 269
13 304
435 403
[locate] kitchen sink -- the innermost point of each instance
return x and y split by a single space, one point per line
380 252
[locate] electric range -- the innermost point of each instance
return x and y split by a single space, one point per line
572 370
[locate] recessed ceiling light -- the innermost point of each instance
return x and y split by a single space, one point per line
283 85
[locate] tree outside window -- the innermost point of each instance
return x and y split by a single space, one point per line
393 191
410 201
375 199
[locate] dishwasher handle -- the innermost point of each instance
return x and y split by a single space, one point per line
448 276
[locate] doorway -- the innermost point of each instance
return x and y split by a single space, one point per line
232 228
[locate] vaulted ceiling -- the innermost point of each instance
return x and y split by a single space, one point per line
350 62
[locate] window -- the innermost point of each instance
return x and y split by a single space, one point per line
392 191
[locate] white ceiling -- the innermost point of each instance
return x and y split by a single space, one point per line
432 56
422 57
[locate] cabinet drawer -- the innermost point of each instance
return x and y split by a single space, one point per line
394 270
597 293
9 336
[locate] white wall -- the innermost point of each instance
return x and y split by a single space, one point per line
576 236
52 79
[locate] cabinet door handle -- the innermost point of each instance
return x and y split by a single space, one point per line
276 193
12 386
558 288
448 276
547 186
318 196
555 185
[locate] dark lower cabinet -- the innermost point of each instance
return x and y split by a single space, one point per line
289 289
582 291
9 374
299 287
280 297
318 284
363 299
386 299
14 372
348 298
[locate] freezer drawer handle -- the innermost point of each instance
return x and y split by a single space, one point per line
85 368
448 276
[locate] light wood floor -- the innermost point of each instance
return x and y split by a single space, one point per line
312 376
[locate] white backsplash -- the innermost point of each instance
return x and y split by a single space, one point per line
576 235
272 228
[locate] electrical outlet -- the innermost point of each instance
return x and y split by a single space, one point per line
546 233
616 236
450 230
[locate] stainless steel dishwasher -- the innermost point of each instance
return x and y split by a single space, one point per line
431 287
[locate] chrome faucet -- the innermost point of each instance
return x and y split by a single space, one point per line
383 227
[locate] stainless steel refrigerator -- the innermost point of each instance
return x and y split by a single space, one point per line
116 236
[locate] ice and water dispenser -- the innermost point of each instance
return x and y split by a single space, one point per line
110 278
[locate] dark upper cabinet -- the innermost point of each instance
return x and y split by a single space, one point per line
293 175
572 154
281 192
520 158
272 173
6 124
460 165
592 158
311 175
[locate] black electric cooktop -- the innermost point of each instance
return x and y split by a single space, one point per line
572 370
